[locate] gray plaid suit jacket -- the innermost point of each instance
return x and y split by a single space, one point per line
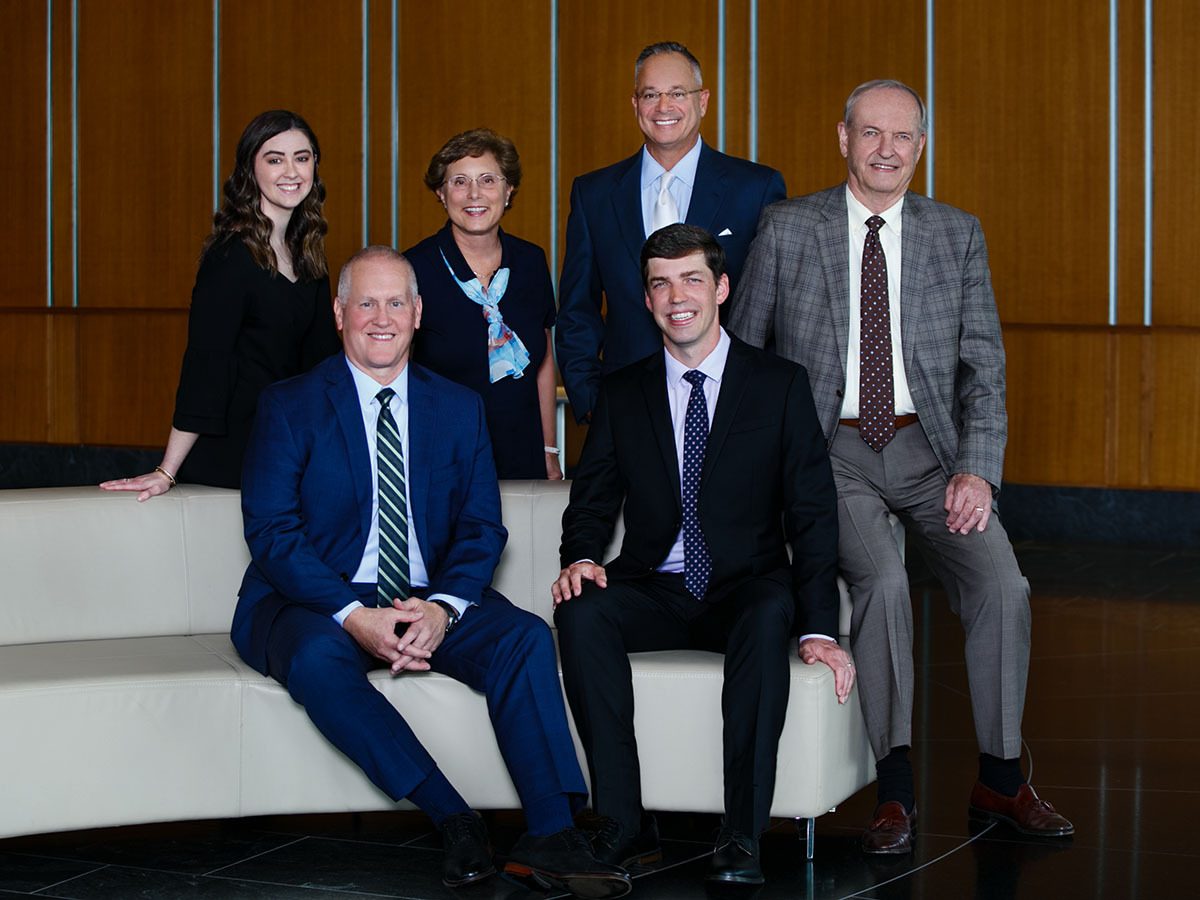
794 296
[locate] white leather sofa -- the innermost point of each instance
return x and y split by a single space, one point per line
123 701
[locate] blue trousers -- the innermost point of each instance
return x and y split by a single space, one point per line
504 652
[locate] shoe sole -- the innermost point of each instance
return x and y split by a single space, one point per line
983 815
591 887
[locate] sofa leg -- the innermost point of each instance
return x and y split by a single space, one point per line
808 828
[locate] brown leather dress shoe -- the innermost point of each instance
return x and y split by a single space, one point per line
892 830
1027 812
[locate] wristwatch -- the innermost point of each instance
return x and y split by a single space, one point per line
452 616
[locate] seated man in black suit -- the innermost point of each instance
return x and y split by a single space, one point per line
709 516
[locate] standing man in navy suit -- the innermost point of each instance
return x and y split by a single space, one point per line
319 605
675 177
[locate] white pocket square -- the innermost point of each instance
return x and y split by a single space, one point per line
725 232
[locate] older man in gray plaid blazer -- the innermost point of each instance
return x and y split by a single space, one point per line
885 297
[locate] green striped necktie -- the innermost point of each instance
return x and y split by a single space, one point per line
393 507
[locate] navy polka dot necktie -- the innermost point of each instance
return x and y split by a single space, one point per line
876 391
393 580
697 564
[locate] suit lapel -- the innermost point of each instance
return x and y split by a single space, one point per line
734 380
627 206
658 411
914 253
422 427
834 240
708 190
344 399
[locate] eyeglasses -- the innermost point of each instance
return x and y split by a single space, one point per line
488 181
678 95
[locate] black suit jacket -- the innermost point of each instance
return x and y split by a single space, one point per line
766 482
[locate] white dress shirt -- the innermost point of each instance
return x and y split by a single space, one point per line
368 568
889 239
680 188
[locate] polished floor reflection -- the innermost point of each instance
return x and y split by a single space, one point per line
1111 726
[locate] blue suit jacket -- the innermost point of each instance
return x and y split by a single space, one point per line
306 496
605 234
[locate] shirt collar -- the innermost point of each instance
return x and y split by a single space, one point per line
713 365
367 387
685 169
859 213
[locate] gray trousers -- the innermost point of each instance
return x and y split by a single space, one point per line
978 570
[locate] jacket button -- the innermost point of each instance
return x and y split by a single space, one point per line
344 577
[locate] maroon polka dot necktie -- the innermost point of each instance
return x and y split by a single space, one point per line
697 564
876 392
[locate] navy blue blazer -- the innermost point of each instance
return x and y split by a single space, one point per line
306 496
605 234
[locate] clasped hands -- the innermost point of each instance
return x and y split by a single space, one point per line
374 629
812 650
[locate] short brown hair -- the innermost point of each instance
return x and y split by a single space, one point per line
476 142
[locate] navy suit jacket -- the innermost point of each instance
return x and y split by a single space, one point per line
605 233
306 496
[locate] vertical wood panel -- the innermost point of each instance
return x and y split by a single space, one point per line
1059 393
306 56
1022 138
1174 452
598 44
1176 187
737 78
129 369
1131 207
810 57
1130 422
499 84
381 189
63 213
62 377
23 162
144 150
23 414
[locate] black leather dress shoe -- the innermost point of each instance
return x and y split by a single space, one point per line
565 860
735 859
468 854
614 845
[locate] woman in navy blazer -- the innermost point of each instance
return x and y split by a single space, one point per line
488 303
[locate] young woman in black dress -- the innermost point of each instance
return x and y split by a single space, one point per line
261 307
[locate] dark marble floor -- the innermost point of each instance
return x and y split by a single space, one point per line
1111 727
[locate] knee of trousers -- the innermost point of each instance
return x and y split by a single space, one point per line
317 663
767 619
580 617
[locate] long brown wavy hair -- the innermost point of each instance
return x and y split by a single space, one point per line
241 214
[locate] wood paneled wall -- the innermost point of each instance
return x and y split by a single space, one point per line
105 222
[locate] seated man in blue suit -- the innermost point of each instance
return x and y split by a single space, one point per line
675 177
372 513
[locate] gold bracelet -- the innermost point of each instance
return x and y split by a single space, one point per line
169 476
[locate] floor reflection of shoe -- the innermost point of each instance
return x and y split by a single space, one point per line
565 860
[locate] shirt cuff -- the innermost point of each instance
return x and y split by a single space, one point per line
824 637
460 605
340 615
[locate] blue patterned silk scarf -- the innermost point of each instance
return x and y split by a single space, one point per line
506 354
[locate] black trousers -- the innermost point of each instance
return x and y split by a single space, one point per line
751 625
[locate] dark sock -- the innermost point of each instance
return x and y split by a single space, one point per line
895 774
437 798
1001 775
549 815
